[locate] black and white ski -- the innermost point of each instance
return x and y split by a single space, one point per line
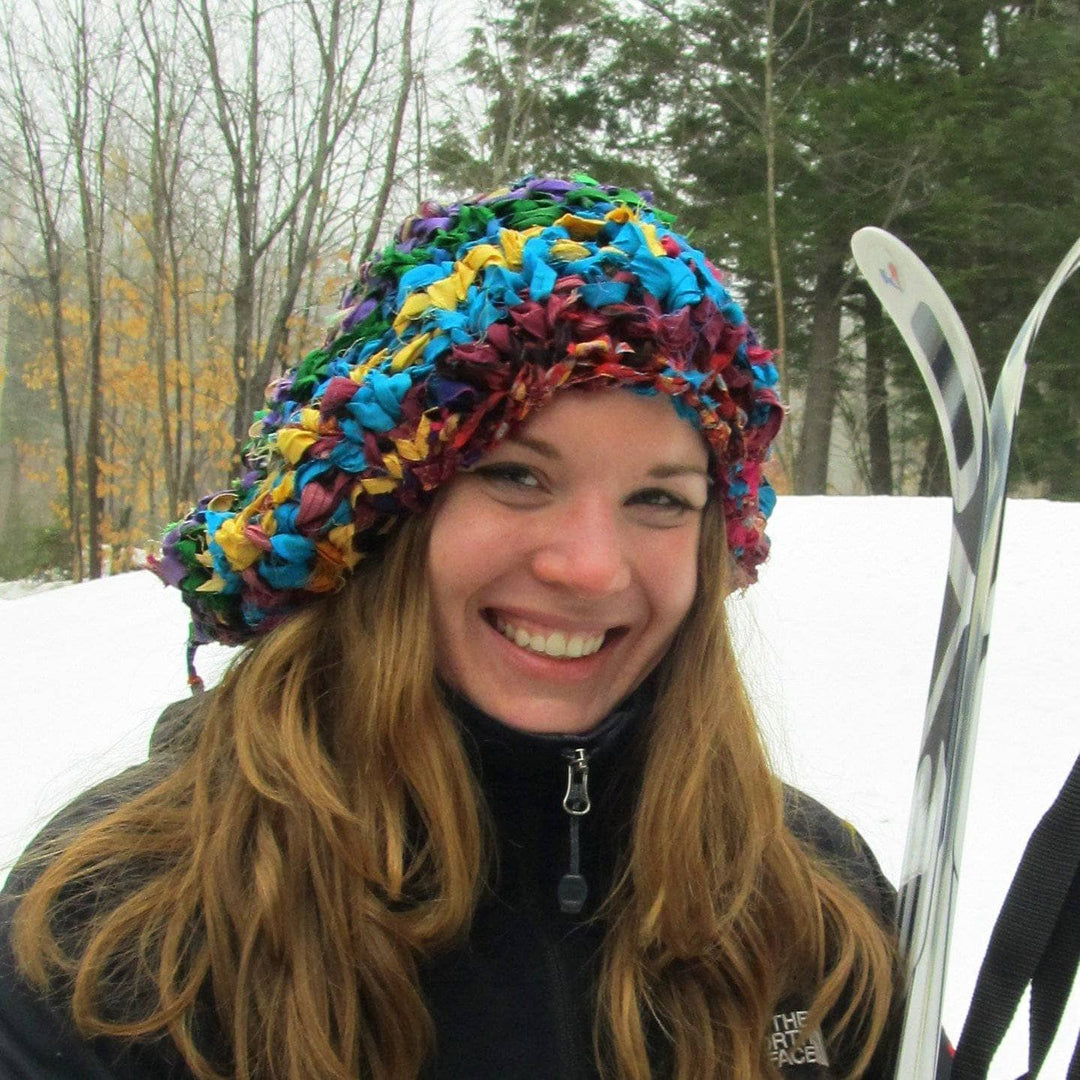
978 441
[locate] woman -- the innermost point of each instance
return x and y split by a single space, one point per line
484 796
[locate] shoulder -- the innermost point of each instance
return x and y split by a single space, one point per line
38 1040
178 725
837 844
98 802
84 810
172 736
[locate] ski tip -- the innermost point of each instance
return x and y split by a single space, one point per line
916 302
903 282
881 256
867 232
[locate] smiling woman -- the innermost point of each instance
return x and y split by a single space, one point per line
482 795
564 561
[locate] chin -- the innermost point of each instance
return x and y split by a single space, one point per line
548 722
540 710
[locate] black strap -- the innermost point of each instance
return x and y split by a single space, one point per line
1054 976
1036 940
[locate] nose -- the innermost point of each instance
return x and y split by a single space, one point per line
585 551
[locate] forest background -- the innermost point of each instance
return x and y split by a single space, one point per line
189 185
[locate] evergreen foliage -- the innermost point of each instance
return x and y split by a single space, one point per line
774 129
956 125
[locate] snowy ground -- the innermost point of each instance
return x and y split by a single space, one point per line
838 639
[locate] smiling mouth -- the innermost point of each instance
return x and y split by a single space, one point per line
556 644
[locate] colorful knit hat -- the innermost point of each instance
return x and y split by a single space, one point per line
475 316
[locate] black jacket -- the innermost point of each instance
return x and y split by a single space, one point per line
513 1001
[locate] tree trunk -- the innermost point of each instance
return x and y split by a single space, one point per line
934 477
94 454
964 30
157 244
508 161
877 400
243 294
177 494
71 465
44 197
787 444
245 118
87 95
812 465
390 169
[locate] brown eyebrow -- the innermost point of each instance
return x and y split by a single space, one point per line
544 449
665 471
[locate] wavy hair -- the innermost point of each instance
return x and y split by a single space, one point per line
720 912
280 877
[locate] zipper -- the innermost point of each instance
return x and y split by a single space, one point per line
573 888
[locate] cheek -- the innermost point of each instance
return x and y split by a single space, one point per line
443 565
462 554
446 590
673 574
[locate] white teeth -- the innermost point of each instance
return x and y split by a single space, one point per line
556 644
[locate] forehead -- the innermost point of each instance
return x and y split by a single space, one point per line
613 424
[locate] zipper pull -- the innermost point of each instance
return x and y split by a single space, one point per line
573 888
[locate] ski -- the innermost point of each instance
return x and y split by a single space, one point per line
936 337
978 441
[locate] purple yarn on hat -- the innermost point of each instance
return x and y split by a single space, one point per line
473 318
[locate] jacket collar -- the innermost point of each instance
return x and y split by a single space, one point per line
500 751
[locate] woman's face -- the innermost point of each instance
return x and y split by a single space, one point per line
563 562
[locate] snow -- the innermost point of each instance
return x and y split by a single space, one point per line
837 641
13 590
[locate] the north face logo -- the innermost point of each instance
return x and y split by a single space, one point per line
784 1041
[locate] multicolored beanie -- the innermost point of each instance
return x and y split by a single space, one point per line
473 318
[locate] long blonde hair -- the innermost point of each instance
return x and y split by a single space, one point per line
721 913
324 831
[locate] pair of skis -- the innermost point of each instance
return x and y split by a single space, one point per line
978 439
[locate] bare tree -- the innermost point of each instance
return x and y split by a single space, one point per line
345 37
336 108
393 144
192 171
46 184
88 77
170 107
